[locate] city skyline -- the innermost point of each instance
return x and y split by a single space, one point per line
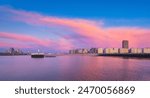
53 26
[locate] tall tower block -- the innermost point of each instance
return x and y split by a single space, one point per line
125 44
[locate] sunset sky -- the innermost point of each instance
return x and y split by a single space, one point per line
67 24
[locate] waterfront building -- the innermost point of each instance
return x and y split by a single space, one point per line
100 50
12 51
111 51
18 51
135 50
107 51
146 50
125 44
80 51
123 50
70 51
73 51
93 50
84 51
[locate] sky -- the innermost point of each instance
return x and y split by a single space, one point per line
61 25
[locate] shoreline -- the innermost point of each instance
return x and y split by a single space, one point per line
113 55
127 55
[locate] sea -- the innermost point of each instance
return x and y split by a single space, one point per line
74 68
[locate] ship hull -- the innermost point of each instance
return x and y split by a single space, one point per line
37 56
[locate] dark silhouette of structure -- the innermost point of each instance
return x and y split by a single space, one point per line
125 44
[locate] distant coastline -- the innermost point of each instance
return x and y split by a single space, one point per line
7 54
125 51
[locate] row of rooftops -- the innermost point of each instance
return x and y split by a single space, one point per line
110 51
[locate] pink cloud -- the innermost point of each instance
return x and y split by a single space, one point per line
137 36
16 45
93 32
100 36
82 27
25 38
22 41
64 44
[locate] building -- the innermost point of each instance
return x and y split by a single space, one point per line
107 51
93 50
125 44
75 51
18 51
135 50
12 51
71 51
146 50
123 50
84 51
100 50
80 51
111 50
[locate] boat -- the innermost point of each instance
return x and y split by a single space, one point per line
37 55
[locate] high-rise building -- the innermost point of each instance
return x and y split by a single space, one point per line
12 51
125 44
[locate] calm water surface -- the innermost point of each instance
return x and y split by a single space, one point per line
73 68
